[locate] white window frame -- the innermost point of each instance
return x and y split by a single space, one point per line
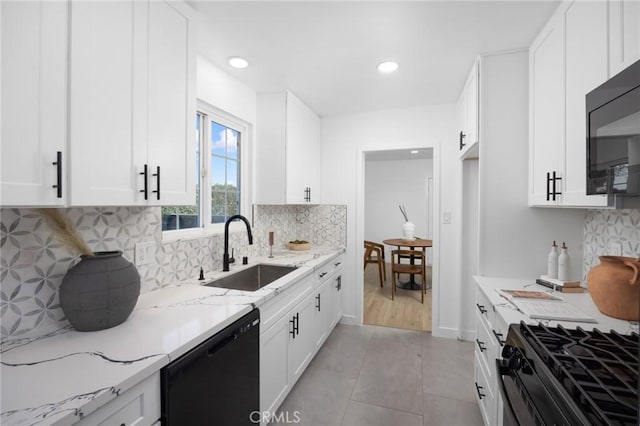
208 229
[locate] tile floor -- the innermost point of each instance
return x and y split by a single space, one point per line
373 376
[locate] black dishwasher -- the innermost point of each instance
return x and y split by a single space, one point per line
217 382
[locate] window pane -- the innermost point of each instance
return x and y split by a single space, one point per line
217 171
218 139
233 142
232 174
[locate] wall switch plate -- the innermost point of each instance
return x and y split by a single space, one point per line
143 252
446 218
614 249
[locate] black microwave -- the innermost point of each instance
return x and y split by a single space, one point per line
613 136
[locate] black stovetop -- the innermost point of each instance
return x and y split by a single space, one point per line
599 371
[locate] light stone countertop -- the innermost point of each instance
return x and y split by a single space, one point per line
65 375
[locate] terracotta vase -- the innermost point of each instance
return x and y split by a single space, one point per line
614 286
100 291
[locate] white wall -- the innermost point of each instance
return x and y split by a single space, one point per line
224 92
389 184
344 137
514 238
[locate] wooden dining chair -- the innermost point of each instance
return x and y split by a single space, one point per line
374 253
417 268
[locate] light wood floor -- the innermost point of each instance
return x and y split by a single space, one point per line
405 311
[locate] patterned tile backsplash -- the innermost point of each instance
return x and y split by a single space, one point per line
33 262
608 231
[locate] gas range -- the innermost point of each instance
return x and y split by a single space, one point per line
559 376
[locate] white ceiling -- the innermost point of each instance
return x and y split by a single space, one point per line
398 155
326 52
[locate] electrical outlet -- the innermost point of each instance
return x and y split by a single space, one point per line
446 217
614 249
143 252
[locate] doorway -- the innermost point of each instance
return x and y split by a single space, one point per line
394 178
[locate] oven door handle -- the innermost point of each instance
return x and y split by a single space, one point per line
503 370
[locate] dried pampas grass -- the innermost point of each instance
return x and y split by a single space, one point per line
64 230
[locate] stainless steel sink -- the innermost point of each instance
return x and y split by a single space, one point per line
253 278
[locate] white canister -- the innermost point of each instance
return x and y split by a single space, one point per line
552 262
408 231
564 264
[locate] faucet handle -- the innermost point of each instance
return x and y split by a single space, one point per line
231 259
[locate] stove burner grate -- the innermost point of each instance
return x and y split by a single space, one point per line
598 370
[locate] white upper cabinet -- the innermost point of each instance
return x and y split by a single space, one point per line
567 60
132 103
287 151
624 34
34 103
586 69
171 103
468 114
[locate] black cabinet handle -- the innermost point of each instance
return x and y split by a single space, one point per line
552 192
322 274
297 323
145 172
337 264
292 321
157 175
478 389
481 308
480 345
339 283
462 136
307 194
58 184
499 337
318 302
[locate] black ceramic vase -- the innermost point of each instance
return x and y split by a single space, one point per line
100 291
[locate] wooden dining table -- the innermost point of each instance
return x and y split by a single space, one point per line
412 244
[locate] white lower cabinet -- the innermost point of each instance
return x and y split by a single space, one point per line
294 326
139 406
490 334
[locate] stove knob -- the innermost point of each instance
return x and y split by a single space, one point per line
507 351
515 362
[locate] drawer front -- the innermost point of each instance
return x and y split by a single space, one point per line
282 303
323 272
485 308
486 346
139 406
485 393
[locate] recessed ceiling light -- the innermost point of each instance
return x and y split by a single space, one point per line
415 151
387 67
237 62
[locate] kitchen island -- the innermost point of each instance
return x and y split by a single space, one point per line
63 376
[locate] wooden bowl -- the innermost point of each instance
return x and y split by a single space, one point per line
299 247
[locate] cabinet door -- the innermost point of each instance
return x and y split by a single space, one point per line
546 79
34 102
301 347
586 68
471 95
335 314
624 34
462 119
274 380
322 313
107 74
171 104
295 151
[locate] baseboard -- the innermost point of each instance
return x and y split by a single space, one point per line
349 320
468 335
449 333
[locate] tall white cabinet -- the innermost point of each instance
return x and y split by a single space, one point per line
108 85
469 113
583 44
132 104
287 151
34 103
